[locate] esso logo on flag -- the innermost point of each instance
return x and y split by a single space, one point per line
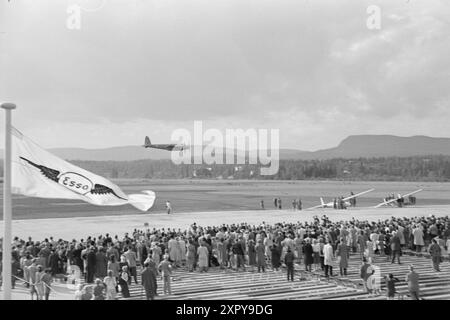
76 182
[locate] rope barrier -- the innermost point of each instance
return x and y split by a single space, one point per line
52 289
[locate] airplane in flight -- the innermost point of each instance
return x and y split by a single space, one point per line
392 201
168 147
347 202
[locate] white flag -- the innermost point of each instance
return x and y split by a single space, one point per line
38 173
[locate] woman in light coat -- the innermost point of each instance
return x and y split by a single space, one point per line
328 258
111 284
418 239
203 260
39 283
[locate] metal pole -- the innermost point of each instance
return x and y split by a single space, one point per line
7 236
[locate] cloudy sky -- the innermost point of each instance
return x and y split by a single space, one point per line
312 69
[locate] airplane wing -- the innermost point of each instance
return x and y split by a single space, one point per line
394 200
316 207
321 205
357 195
385 203
411 193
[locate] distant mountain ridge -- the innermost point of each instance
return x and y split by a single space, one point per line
368 146
365 146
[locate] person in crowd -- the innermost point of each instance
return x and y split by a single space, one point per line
412 278
123 282
316 254
298 244
173 250
276 256
370 252
148 281
261 256
154 273
308 255
79 292
54 263
396 247
435 251
364 275
239 250
447 246
370 283
182 250
328 260
251 255
191 256
110 282
390 285
203 257
25 262
87 293
47 280
361 244
166 271
99 289
289 261
32 271
39 284
131 258
418 238
115 268
374 280
156 253
90 265
343 255
101 263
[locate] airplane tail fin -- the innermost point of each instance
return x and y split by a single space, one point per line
148 143
322 202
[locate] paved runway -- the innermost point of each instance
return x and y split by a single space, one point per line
81 227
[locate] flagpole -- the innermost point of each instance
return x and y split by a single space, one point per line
7 215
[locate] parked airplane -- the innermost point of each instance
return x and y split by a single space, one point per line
168 147
346 201
399 199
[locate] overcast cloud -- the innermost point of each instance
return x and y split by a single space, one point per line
310 68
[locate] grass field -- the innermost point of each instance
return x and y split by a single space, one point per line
217 195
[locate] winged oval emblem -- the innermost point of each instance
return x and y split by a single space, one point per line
74 181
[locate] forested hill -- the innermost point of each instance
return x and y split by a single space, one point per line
366 146
431 168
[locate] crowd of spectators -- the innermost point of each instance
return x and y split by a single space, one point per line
109 264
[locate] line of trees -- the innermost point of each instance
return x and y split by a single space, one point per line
431 168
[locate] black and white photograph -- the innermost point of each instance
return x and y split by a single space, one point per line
224 155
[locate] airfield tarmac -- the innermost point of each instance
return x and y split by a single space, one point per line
214 202
81 227
229 195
